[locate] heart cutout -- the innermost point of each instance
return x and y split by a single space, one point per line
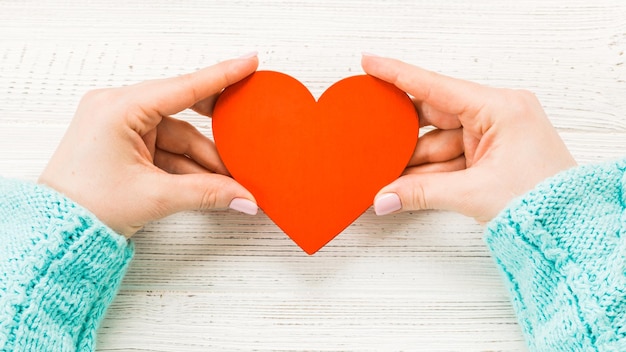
314 167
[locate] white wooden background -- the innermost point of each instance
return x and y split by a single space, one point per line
218 281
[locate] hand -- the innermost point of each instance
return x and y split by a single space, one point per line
489 146
127 161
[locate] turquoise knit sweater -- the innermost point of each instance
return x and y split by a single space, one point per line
561 249
60 268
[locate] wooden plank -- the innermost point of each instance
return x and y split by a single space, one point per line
225 281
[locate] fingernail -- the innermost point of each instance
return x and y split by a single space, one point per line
244 205
365 53
249 55
387 204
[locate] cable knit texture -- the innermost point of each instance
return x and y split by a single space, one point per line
562 250
60 267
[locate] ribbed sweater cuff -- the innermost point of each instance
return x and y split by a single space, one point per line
561 249
60 269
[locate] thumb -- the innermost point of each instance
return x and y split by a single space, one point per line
436 190
206 191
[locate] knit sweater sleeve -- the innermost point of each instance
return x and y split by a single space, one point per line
562 251
59 270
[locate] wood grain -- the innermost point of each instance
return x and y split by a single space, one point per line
223 281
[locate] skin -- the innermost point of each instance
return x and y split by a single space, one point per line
489 145
127 161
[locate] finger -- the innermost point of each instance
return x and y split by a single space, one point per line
180 137
177 164
443 93
429 116
172 95
149 139
438 190
438 146
460 191
455 164
205 106
471 144
169 96
204 192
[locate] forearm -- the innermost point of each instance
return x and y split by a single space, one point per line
562 250
60 267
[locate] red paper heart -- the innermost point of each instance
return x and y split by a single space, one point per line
314 167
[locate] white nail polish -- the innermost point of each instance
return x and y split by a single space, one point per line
244 205
387 204
249 55
365 53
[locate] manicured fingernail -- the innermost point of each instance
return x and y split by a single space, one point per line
387 204
249 55
365 53
243 205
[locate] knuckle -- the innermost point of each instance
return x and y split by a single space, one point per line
99 106
95 96
110 99
186 133
185 126
522 104
208 200
212 197
417 197
520 99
